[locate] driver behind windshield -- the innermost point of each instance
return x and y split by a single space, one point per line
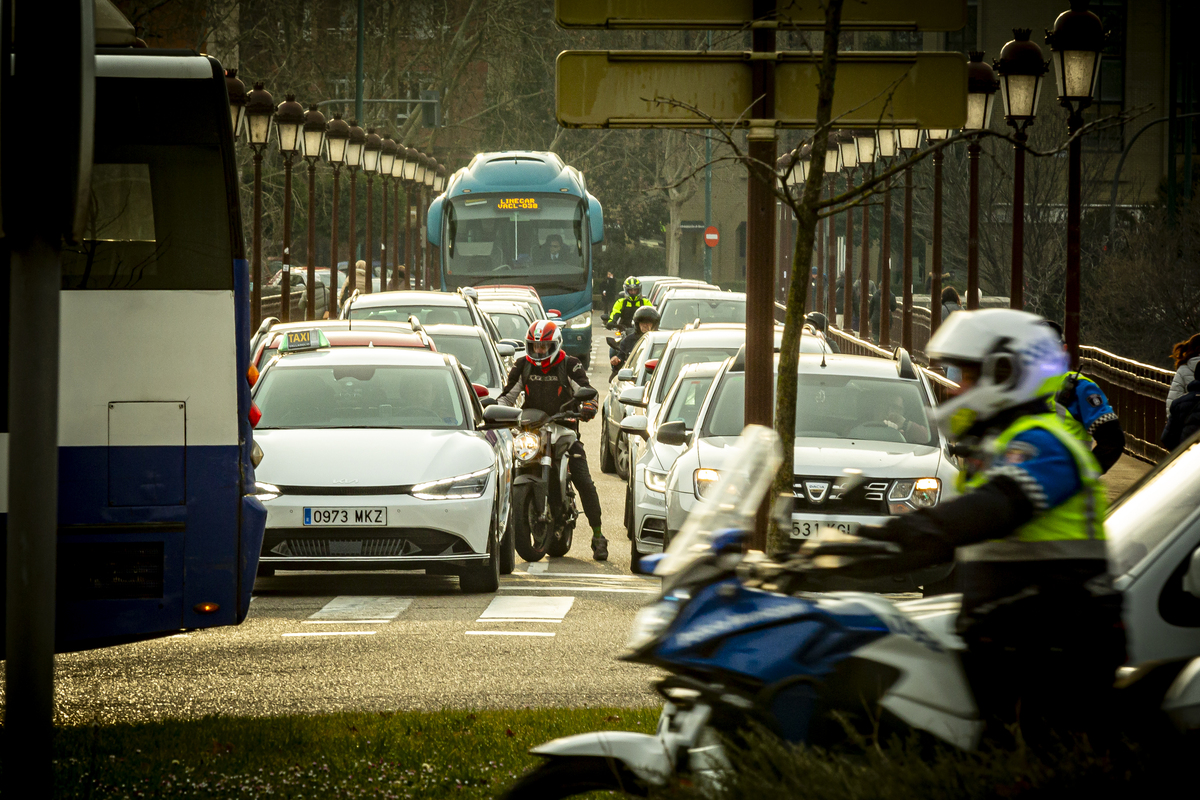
893 415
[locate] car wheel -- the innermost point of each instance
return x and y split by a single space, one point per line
621 456
484 579
629 509
607 465
944 585
635 558
508 554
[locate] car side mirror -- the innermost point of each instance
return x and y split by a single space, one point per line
633 396
625 374
673 433
636 425
480 390
506 350
1191 578
585 393
498 416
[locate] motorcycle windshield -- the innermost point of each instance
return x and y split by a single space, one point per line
745 480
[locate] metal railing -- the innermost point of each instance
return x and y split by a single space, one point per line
1137 392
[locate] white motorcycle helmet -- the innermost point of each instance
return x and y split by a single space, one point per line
1018 356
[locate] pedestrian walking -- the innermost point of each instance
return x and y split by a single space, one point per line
360 277
1186 355
876 303
1184 417
608 287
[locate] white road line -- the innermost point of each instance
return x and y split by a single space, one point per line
349 607
531 608
334 633
613 590
607 576
347 622
508 633
521 619
537 567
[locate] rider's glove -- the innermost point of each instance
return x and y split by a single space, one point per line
919 538
587 410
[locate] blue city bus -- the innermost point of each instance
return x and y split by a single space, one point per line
496 224
158 526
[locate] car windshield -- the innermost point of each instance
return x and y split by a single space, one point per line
425 314
511 326
682 356
836 407
685 405
655 350
680 311
321 397
471 354
1144 517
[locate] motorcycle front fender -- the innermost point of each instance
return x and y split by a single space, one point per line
523 485
645 756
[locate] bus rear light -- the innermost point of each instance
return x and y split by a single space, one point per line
252 374
206 608
255 415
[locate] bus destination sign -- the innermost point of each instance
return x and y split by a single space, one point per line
517 203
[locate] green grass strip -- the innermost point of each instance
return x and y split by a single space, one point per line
352 755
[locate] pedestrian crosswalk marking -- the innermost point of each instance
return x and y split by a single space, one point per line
537 567
347 621
349 607
521 619
530 608
610 589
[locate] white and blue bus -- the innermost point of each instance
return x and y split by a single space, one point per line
158 528
522 217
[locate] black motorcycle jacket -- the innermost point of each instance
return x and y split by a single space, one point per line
547 389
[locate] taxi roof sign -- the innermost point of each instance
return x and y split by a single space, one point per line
299 341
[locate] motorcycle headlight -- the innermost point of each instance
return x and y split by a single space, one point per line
582 321
656 481
526 446
909 495
651 622
460 487
705 480
266 491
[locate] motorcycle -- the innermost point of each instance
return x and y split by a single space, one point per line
743 649
543 497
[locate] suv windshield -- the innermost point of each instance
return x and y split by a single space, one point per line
679 311
685 405
425 314
682 356
359 397
836 407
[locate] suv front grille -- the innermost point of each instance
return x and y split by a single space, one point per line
823 495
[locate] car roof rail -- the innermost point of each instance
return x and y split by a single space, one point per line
739 360
266 325
904 365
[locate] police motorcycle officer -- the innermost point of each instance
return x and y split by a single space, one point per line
548 376
645 319
1040 617
621 316
1085 409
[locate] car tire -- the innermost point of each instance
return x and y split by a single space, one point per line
484 579
629 509
607 464
508 551
944 585
622 465
635 558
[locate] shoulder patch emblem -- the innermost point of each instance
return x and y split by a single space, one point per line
1095 401
1019 452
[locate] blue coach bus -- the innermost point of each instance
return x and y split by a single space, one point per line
158 526
522 217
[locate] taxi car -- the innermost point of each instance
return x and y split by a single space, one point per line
858 416
366 335
335 433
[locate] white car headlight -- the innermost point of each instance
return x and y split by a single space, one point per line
909 495
526 446
656 481
651 622
705 480
582 321
266 491
460 487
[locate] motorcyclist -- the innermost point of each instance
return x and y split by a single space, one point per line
1040 617
1085 409
621 316
645 319
549 378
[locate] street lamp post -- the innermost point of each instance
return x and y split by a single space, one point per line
371 152
833 164
430 176
889 147
418 246
337 137
314 143
849 154
981 94
354 156
289 118
1075 45
260 107
909 140
934 135
237 101
397 179
796 178
1020 68
387 157
412 160
864 144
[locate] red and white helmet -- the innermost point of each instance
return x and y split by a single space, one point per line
543 342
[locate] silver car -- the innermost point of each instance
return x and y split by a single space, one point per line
614 445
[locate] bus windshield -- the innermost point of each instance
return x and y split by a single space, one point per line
533 239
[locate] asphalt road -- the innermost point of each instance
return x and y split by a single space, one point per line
375 641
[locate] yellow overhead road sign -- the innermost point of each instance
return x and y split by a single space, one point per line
617 89
925 15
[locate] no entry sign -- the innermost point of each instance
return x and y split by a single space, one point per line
711 237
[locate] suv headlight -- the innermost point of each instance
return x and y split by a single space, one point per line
909 495
460 487
656 481
526 446
705 480
582 321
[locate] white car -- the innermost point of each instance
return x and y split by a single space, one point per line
863 414
645 504
638 369
380 458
